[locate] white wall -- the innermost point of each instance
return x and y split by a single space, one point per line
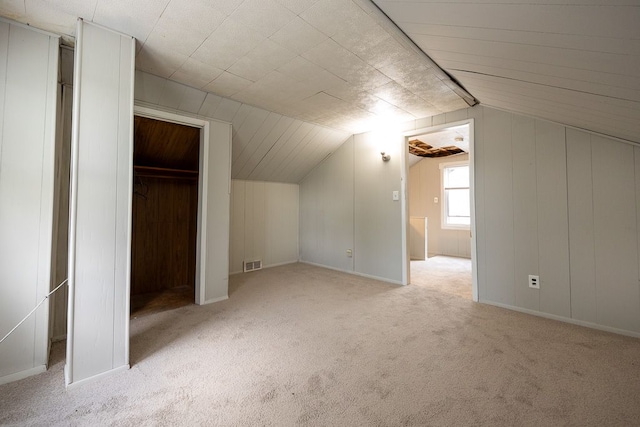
326 211
28 100
561 203
549 200
100 221
346 203
264 223
425 183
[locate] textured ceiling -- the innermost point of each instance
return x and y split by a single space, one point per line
337 63
570 61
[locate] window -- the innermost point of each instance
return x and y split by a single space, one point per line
456 205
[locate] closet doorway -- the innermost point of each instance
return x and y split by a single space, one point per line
166 161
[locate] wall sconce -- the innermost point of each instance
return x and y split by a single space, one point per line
385 157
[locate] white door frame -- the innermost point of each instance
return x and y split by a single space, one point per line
405 202
201 248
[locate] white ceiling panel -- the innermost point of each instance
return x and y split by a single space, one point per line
262 141
273 54
298 36
263 16
572 62
263 59
134 18
227 84
195 73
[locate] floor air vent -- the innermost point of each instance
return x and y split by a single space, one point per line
252 265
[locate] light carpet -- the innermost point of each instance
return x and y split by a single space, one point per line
302 345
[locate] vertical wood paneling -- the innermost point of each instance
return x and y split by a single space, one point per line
377 218
164 239
327 211
216 233
104 144
615 234
479 171
498 199
236 241
525 217
264 223
257 224
581 231
553 228
123 203
281 223
28 99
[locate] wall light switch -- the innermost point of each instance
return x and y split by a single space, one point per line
396 195
349 253
435 200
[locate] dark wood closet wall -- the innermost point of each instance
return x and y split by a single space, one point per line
165 206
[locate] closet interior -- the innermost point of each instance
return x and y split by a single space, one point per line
164 215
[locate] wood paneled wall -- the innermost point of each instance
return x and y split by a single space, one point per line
164 234
264 223
28 96
98 340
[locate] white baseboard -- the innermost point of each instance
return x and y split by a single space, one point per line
564 319
93 378
355 273
23 374
232 273
212 300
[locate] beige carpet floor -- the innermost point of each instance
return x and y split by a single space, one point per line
445 274
302 345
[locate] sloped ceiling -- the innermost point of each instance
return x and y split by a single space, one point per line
336 63
575 62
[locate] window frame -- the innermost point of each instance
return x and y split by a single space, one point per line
443 200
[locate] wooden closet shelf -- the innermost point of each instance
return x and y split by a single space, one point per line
155 172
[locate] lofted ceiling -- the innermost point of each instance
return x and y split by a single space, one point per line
296 77
336 63
575 62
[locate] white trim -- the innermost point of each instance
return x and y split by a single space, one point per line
23 374
127 302
472 187
73 199
563 319
201 233
404 212
355 273
264 267
212 300
405 218
101 375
